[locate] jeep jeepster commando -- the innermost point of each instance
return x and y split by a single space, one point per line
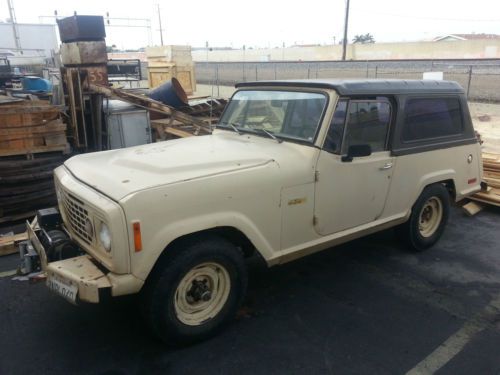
293 167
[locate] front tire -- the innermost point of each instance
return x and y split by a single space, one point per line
428 218
196 290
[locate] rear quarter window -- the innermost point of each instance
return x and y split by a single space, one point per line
427 118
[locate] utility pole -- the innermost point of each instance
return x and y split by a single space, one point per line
159 20
17 39
346 22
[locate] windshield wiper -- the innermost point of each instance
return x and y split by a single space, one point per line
233 126
270 134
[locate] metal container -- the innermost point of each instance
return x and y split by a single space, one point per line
128 125
96 74
36 84
170 93
81 28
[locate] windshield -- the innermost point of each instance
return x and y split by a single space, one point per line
285 114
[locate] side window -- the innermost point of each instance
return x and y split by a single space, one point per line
431 118
336 130
367 124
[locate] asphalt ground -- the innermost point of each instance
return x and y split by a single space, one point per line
366 307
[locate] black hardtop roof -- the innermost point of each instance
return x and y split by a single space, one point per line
365 86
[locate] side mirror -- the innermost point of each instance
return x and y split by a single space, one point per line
355 151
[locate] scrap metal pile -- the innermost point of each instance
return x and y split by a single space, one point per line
168 122
34 139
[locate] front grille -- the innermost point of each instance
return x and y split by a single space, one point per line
77 216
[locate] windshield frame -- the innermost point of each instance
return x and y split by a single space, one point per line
285 138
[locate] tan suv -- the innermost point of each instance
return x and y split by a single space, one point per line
294 167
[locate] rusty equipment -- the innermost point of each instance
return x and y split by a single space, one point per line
169 122
83 53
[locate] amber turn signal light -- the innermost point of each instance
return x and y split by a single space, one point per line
137 236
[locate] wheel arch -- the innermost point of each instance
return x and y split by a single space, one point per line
446 178
451 187
229 233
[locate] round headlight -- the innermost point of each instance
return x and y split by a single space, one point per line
105 237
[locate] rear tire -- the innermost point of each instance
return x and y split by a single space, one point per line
428 218
196 290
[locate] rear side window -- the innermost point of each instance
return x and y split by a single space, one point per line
427 118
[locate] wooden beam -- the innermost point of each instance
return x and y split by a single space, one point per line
8 244
33 150
178 132
473 208
15 217
148 103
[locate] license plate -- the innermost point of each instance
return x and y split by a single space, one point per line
63 287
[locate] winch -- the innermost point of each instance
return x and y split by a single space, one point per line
54 238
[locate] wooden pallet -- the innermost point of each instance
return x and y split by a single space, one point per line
149 104
63 148
8 244
169 128
29 127
27 185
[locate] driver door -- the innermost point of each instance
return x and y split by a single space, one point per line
352 193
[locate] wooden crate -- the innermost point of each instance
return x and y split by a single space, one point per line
158 75
169 54
185 74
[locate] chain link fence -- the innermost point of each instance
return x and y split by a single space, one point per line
480 78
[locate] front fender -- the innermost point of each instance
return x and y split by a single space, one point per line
177 229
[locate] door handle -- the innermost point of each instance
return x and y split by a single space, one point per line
386 166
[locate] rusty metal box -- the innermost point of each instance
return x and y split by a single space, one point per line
78 53
81 28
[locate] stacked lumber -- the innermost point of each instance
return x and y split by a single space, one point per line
491 169
32 144
27 185
30 126
491 175
8 243
208 110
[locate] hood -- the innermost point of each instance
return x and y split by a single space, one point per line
118 173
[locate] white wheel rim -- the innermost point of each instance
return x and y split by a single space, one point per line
202 293
430 217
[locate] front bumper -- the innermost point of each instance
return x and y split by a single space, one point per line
80 278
